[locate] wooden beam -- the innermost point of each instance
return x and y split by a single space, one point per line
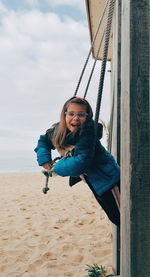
116 92
135 139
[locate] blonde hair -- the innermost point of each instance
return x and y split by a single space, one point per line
59 136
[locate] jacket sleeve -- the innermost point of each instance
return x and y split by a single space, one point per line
43 149
83 154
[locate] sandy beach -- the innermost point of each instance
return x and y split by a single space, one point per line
54 235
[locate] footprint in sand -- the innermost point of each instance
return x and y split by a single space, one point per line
61 238
67 247
48 256
62 220
28 217
56 227
102 252
92 221
81 222
23 209
78 259
90 212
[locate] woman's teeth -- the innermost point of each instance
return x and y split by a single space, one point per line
75 125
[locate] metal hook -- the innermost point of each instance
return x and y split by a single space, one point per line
47 174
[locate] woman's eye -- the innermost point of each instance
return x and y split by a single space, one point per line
71 113
81 114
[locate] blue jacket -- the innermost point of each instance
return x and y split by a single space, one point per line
89 158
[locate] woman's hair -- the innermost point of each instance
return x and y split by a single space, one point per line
60 135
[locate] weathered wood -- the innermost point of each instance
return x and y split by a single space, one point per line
94 13
135 139
135 134
116 91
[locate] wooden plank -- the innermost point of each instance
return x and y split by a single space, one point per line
116 91
135 139
94 13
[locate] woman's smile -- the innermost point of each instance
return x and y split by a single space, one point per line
75 116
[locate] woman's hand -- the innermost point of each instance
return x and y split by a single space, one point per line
47 166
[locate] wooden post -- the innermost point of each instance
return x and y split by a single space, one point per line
115 115
135 139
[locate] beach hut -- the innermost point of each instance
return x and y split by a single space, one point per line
128 52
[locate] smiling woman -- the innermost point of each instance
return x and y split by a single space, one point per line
89 160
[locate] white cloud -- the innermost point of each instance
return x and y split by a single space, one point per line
2 8
41 59
32 3
36 48
77 4
74 3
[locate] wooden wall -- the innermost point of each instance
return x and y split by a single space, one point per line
135 139
115 115
131 134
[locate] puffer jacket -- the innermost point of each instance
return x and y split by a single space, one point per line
89 158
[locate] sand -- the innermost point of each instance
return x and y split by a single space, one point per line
53 234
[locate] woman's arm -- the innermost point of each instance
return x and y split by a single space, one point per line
43 151
83 154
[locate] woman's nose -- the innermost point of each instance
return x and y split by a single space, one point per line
76 116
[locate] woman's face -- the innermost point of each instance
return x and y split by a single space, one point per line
76 116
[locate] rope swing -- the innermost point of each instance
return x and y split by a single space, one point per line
90 51
106 37
104 60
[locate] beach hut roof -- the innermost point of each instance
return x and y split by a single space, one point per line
94 13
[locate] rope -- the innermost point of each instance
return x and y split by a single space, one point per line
93 66
105 53
111 125
95 36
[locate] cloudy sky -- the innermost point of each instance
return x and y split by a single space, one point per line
43 47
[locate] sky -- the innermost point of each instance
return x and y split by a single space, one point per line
43 48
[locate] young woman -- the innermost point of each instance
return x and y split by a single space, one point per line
89 160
